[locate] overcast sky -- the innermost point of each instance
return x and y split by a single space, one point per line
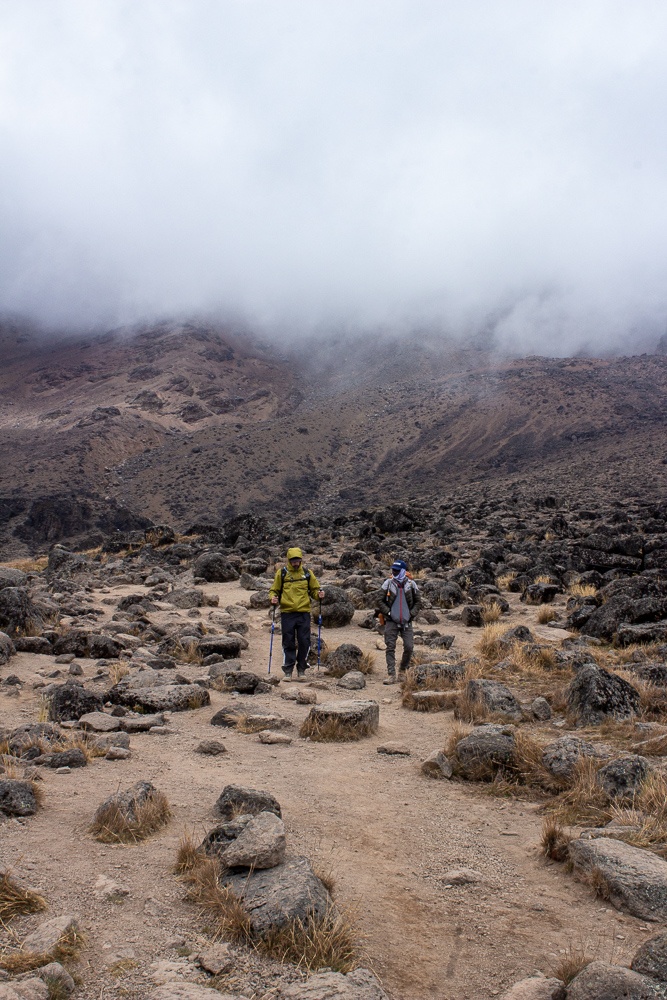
459 164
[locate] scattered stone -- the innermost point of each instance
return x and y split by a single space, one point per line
394 749
437 765
211 748
306 697
462 876
472 616
17 798
45 939
485 750
600 981
216 959
562 756
259 845
32 988
595 694
358 985
621 779
99 722
71 701
273 738
354 680
342 720
227 718
541 709
54 974
496 697
117 753
236 800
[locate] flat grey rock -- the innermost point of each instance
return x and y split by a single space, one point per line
276 897
43 940
600 981
358 985
636 879
99 722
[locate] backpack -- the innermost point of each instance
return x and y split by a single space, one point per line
283 573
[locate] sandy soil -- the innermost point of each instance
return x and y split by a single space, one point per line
387 833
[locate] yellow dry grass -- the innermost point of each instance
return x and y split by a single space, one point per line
16 900
491 613
334 730
582 590
112 825
118 670
554 840
66 950
503 581
489 642
546 614
34 565
584 803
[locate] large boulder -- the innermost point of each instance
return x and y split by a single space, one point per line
634 879
17 798
600 981
337 609
214 567
562 756
7 648
495 697
235 800
486 750
71 701
622 779
344 658
17 610
159 697
32 644
12 577
630 602
279 896
595 694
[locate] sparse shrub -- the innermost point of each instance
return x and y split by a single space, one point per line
584 803
489 642
544 578
118 670
15 900
34 565
329 942
503 581
554 841
189 855
367 664
114 824
575 959
67 949
532 658
222 906
582 590
546 614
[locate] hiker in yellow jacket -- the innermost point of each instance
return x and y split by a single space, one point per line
293 588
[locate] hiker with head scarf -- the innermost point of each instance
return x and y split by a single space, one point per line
293 589
399 604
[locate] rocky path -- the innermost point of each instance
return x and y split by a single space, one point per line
388 835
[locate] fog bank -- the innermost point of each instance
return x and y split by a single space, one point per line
322 165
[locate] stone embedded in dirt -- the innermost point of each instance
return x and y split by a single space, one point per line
651 958
354 680
439 670
54 975
343 659
23 741
178 990
304 696
437 765
49 933
274 739
472 616
32 988
126 803
242 681
621 779
600 981
536 988
595 694
228 717
216 958
214 567
541 709
236 800
108 740
75 757
17 798
71 701
430 701
351 719
185 599
443 593
496 697
255 723
32 644
462 876
634 879
486 749
117 753
227 646
540 593
520 633
394 749
107 888
159 697
276 897
7 648
99 722
562 756
358 985
211 748
337 609
259 845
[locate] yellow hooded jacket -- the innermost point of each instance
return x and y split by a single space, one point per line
295 590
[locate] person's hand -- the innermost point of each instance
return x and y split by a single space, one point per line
274 600
321 594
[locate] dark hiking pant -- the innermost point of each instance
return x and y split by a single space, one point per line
391 633
295 628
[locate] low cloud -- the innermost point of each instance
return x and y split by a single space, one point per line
463 168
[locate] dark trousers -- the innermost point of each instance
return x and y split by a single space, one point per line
391 634
295 628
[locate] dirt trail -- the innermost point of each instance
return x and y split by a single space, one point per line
388 834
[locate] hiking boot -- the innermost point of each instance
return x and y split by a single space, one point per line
287 678
390 680
301 678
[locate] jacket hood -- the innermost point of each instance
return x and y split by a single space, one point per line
294 554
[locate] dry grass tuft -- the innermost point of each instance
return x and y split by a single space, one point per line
584 803
534 659
489 645
189 855
15 900
112 825
328 943
221 906
66 950
35 565
491 613
582 590
554 840
648 815
334 730
188 653
367 663
118 670
471 710
575 959
503 581
546 614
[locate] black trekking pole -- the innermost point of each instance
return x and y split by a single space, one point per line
273 628
319 636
